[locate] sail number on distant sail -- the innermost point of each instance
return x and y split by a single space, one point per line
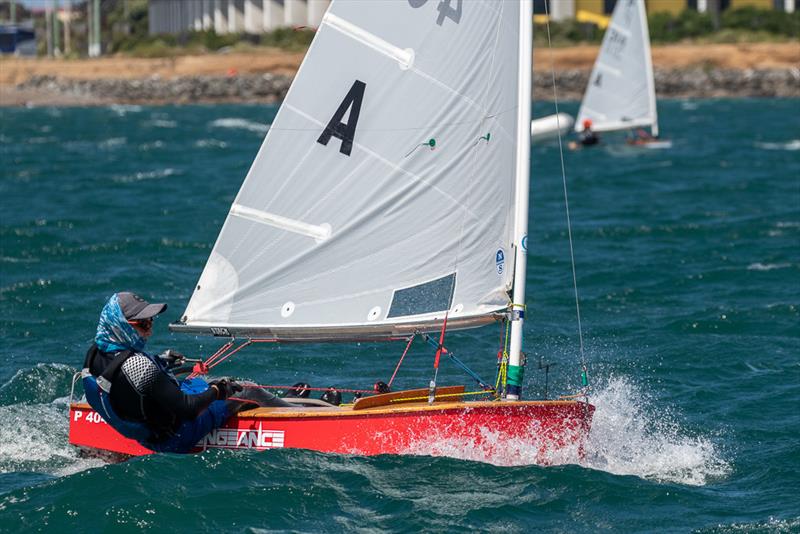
616 43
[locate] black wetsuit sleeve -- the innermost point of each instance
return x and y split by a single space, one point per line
172 400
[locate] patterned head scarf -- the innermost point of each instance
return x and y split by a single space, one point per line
114 332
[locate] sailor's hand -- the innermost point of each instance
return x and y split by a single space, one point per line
172 358
226 388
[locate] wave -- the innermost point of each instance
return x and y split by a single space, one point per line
210 143
34 438
162 123
792 145
631 436
628 437
772 525
113 143
124 109
150 175
242 124
42 383
145 147
767 266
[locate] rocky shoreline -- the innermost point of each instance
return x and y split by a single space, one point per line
670 83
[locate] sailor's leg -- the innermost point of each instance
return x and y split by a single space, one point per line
260 396
191 432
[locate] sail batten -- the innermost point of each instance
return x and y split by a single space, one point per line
621 90
404 56
319 232
380 194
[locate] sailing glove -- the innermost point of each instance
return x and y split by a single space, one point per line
226 388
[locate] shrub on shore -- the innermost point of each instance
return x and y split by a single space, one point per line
209 41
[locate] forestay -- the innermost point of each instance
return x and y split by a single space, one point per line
621 92
383 194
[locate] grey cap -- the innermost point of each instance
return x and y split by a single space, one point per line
135 307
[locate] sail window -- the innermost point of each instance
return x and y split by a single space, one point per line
433 296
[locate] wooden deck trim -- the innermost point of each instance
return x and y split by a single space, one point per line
400 397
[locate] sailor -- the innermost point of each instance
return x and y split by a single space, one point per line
587 136
137 393
641 137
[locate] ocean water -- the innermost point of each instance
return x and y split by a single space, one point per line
688 267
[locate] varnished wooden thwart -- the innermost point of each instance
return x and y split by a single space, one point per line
410 395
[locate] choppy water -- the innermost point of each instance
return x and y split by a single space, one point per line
688 267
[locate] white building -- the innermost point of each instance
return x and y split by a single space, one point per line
233 16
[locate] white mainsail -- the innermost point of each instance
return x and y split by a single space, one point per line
383 195
621 92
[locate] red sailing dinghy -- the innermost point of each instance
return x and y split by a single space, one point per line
390 203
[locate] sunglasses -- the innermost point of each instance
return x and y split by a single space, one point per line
145 324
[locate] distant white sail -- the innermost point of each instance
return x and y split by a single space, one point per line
621 92
383 194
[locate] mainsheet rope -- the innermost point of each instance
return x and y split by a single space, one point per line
585 373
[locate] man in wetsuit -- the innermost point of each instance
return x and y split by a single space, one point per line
146 400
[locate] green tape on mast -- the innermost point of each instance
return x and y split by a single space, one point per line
515 375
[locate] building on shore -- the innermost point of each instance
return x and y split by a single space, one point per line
258 16
233 16
18 39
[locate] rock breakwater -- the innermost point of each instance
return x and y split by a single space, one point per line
670 83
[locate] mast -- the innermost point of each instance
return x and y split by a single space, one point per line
515 369
648 59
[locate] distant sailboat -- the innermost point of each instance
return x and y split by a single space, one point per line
621 93
389 199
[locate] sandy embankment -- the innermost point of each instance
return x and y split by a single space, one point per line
15 71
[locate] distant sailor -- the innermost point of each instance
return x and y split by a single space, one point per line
641 137
138 394
586 138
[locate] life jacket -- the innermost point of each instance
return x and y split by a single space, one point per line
98 390
103 369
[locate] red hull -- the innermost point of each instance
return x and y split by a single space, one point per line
504 433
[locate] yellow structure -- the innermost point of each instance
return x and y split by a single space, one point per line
672 7
601 21
591 6
763 4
